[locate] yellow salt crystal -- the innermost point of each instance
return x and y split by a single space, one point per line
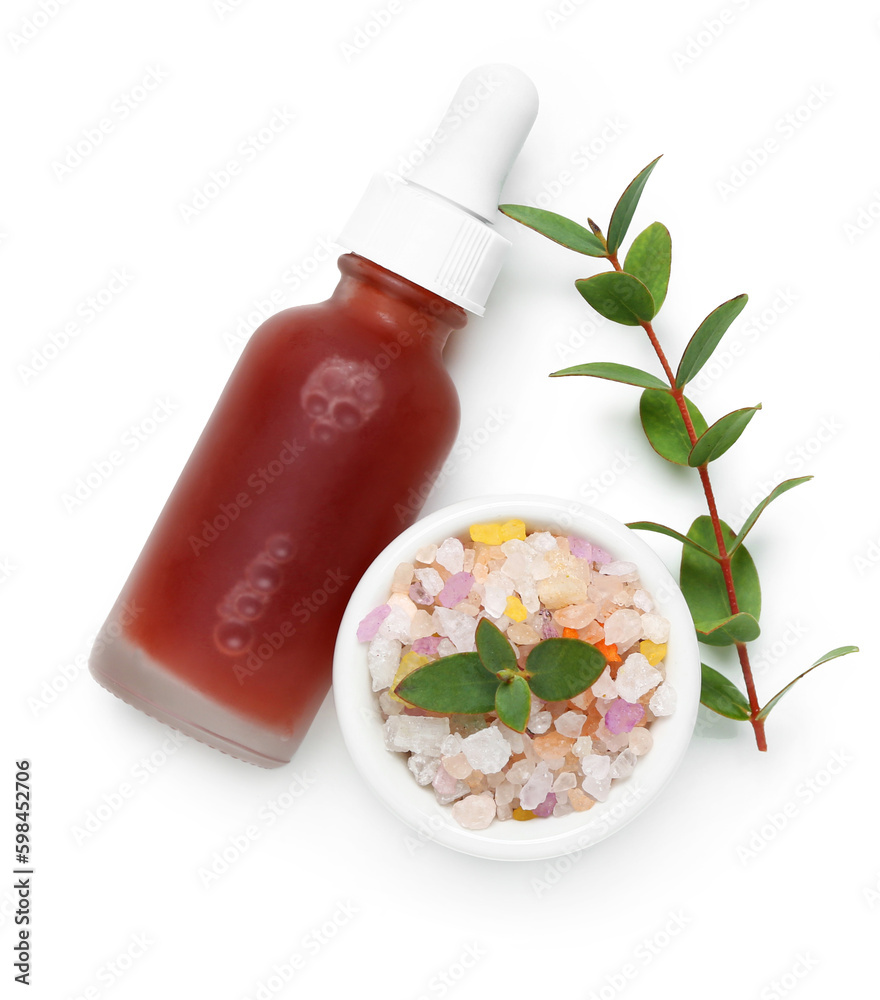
652 651
488 533
515 609
523 814
412 661
513 529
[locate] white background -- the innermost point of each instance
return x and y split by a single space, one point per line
764 866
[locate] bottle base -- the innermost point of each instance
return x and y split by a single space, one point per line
126 671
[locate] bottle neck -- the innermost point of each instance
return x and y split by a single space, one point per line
396 302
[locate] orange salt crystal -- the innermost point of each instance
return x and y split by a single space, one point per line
579 800
594 717
569 633
552 745
609 652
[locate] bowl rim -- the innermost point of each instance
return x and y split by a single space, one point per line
360 719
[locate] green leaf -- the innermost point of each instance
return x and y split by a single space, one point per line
649 259
493 648
617 296
777 491
702 580
705 340
513 703
661 529
664 426
722 696
737 628
626 206
458 683
616 373
557 228
840 651
562 668
723 434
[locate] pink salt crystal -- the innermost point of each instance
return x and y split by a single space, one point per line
622 716
545 808
418 594
474 812
368 628
427 645
600 556
580 547
456 589
549 631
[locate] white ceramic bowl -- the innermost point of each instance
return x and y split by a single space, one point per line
386 772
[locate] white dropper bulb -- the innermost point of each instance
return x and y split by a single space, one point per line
479 138
435 227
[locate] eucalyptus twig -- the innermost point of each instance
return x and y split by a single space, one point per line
718 577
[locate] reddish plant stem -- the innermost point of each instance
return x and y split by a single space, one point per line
723 554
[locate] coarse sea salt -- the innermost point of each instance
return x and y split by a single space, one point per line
532 586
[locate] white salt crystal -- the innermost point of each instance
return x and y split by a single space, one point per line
663 700
602 705
445 647
563 807
383 657
487 751
450 555
430 579
396 625
536 789
539 722
474 812
520 772
583 745
640 740
514 738
597 776
451 745
610 741
627 571
458 627
655 628
423 767
541 541
604 686
504 793
623 764
388 705
426 554
529 749
623 628
554 763
642 600
636 677
406 604
420 734
565 781
570 723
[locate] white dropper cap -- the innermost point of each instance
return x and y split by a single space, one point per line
435 228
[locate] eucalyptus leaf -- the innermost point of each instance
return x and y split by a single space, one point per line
557 228
626 206
662 529
458 683
840 651
723 434
563 668
650 259
513 703
705 340
616 373
722 696
618 296
740 627
493 648
664 425
749 523
702 579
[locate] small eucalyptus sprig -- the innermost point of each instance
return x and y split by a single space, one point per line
490 679
718 576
